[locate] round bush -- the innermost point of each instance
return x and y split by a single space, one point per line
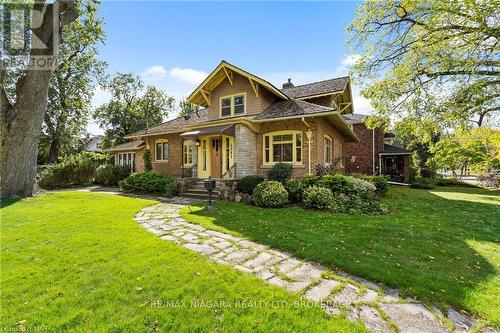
248 183
362 187
337 183
295 188
270 194
280 172
111 174
318 197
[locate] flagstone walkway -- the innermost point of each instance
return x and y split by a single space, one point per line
380 309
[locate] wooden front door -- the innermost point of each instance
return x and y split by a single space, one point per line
216 158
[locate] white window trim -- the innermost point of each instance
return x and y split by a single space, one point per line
244 94
327 137
188 143
156 153
294 147
132 160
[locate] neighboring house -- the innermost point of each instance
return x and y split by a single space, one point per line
375 152
93 143
246 126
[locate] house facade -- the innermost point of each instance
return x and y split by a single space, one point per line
375 152
245 126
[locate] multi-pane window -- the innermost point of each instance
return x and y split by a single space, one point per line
162 151
328 150
204 154
283 147
188 152
232 105
127 159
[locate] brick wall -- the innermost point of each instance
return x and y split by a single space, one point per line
319 128
172 167
359 156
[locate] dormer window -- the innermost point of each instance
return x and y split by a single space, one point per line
232 105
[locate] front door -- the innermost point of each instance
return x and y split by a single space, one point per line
216 158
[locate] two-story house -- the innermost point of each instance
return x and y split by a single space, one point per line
245 126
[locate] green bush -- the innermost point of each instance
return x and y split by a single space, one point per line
111 174
310 180
79 169
295 188
363 187
248 183
337 183
355 205
451 182
381 182
423 183
148 165
270 194
280 172
318 197
150 182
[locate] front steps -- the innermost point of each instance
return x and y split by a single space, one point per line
197 190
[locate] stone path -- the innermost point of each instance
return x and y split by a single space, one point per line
380 310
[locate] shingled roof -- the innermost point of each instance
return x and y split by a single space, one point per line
131 145
354 118
317 88
290 108
390 149
175 125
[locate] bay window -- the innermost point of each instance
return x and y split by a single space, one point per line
283 147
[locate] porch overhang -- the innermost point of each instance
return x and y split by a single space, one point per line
213 130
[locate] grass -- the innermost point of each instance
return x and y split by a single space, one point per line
75 261
440 245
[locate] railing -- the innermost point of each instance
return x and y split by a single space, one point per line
230 172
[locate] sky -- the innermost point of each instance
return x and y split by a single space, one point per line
175 45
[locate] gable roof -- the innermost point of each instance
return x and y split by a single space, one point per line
354 118
175 125
131 145
291 108
225 70
317 88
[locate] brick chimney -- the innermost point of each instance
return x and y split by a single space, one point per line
288 84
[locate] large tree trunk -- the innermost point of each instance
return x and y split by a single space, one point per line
20 129
20 122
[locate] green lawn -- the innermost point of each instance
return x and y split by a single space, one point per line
441 245
79 262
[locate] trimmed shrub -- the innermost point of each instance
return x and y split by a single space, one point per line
318 197
362 187
148 165
295 188
381 182
337 183
72 170
150 182
280 172
490 180
248 183
310 180
270 194
111 174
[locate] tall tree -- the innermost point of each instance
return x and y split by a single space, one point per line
429 57
131 108
73 82
186 108
21 115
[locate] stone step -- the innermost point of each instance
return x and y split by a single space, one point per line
201 190
198 195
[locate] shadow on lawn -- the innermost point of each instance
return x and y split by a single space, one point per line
423 247
4 202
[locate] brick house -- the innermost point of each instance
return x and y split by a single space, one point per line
245 126
375 153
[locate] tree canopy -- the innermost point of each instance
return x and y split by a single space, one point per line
435 58
131 108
